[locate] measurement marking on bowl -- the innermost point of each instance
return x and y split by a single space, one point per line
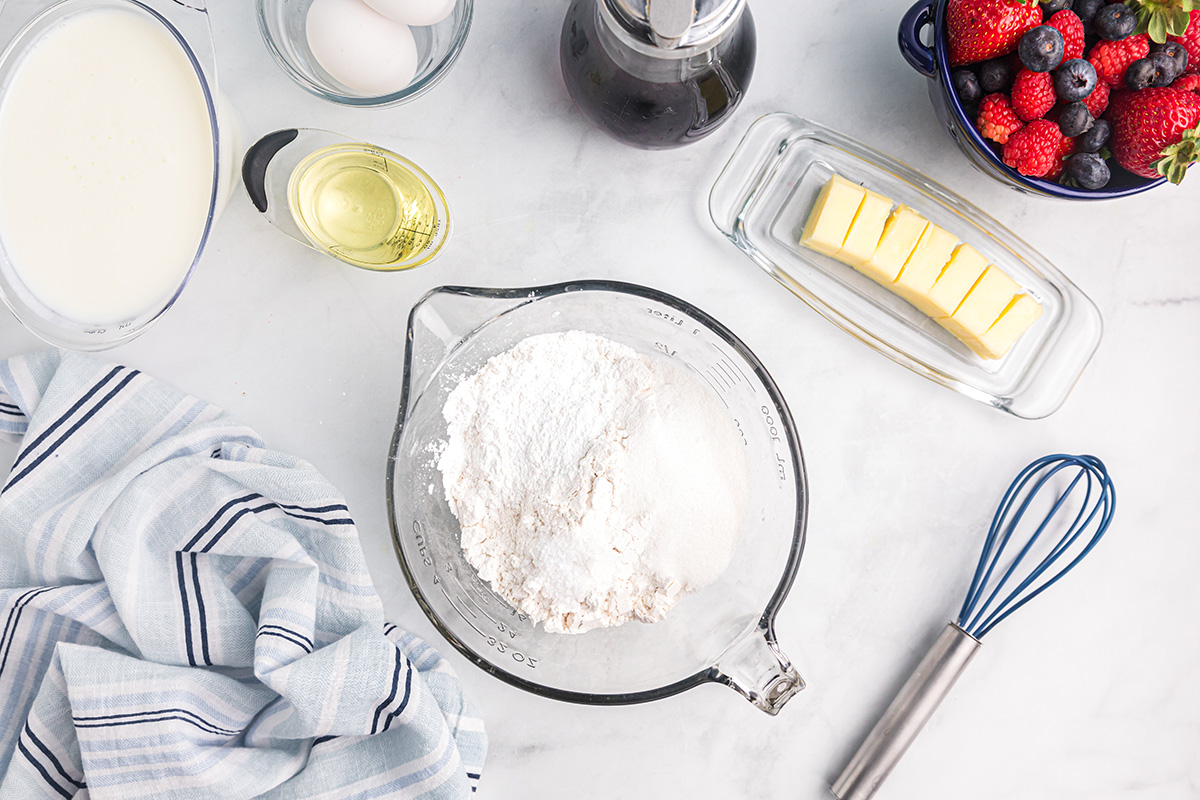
773 429
499 645
671 318
733 365
716 390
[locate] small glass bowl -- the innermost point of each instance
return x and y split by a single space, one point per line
438 46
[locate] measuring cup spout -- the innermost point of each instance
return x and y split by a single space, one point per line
758 670
441 321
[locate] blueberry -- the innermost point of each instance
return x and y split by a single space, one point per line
1086 10
1176 51
1041 49
1074 80
1054 6
966 86
996 75
1115 22
1089 170
1095 137
1140 74
1164 69
1074 119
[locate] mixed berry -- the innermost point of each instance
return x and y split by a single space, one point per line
1070 89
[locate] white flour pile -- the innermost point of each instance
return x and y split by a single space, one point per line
593 485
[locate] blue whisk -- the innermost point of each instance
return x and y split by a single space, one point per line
1008 576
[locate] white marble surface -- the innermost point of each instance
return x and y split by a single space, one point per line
1090 693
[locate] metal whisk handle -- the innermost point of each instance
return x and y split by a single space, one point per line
920 696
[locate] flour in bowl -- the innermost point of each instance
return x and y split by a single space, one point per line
593 485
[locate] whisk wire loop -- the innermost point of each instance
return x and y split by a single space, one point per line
980 615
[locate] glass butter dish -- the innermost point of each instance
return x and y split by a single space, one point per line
762 200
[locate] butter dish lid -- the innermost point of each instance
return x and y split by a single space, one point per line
761 202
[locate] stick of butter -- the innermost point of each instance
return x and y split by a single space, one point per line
900 236
953 283
831 215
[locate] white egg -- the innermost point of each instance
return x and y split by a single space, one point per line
366 51
413 12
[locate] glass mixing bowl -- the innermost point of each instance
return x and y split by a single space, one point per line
723 633
282 24
22 24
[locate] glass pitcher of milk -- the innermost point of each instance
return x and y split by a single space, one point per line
111 163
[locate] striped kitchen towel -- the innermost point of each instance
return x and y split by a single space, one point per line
186 614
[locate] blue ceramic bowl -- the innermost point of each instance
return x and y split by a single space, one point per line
934 63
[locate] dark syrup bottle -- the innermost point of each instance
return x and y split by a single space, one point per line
658 74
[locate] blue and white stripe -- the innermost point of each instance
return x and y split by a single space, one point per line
185 613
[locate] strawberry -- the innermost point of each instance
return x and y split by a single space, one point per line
1034 149
997 121
1067 23
1111 59
1190 39
981 29
1032 94
1187 83
1155 131
1097 101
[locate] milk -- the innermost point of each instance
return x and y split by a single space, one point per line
106 166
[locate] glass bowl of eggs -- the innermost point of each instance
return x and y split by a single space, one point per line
365 52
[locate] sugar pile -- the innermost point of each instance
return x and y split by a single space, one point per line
593 485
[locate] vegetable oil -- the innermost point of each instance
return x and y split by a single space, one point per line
365 205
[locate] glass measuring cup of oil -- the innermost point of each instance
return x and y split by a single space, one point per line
723 633
357 202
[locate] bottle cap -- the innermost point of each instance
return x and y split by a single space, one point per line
675 24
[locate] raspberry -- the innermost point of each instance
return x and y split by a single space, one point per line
997 121
1069 25
1034 150
1111 59
1097 101
1033 94
1188 83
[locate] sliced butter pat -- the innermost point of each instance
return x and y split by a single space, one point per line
831 216
924 267
1020 315
900 236
965 267
982 306
866 230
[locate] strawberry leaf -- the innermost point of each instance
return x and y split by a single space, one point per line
1179 22
1178 157
1157 28
1160 18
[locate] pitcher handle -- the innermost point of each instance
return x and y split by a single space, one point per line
915 52
757 669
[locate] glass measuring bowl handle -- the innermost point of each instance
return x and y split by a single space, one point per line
758 670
